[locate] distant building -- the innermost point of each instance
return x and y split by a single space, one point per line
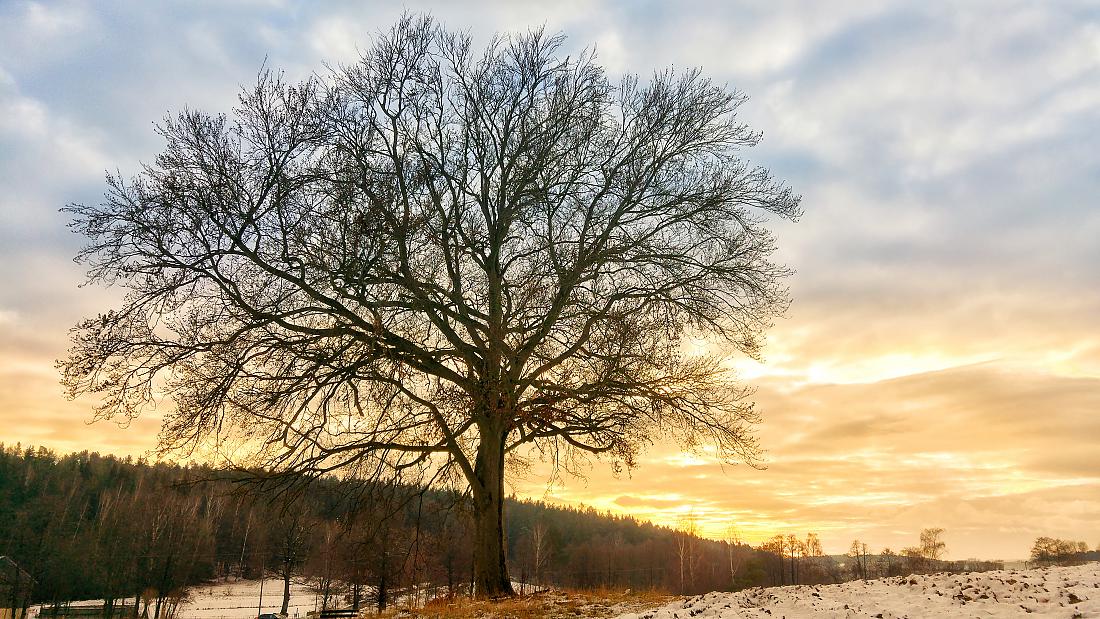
15 589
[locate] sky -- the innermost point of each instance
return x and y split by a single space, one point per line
940 364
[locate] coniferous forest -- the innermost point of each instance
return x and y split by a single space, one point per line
88 526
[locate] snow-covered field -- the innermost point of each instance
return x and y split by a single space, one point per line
1050 592
1064 592
240 600
230 600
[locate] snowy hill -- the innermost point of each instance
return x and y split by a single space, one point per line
1048 592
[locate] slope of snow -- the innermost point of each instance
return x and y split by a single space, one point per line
1050 592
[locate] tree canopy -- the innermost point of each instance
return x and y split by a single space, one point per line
434 257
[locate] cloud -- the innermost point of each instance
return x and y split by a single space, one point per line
940 362
951 448
631 502
53 21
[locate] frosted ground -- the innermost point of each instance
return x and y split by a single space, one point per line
230 600
1049 592
240 599
1063 592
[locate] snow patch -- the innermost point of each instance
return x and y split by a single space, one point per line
1048 592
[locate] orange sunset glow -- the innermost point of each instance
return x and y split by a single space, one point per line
939 365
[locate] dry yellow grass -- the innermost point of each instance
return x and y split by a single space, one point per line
553 604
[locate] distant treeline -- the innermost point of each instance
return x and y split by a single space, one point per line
86 526
1053 551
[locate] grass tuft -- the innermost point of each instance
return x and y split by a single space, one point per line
554 604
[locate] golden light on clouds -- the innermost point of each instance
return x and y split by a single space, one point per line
993 451
998 452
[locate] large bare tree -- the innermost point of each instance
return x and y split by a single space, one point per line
440 258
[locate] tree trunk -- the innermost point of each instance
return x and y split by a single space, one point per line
16 589
490 571
244 544
382 600
286 589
